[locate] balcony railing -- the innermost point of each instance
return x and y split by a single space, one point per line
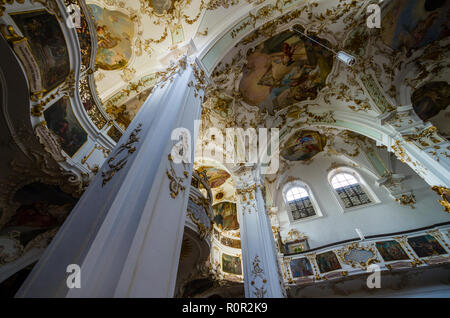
418 248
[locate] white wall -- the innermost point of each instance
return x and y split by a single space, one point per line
386 217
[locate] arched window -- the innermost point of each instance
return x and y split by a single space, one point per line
299 203
349 190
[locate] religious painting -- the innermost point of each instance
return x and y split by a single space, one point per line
115 32
231 264
426 245
284 70
430 99
41 207
62 121
225 216
303 145
391 251
301 267
216 177
47 44
412 24
327 262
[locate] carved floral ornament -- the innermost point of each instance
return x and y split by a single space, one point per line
258 272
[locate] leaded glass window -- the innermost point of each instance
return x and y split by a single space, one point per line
349 190
300 204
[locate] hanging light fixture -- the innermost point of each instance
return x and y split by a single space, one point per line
348 59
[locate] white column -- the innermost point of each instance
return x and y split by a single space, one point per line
262 276
126 230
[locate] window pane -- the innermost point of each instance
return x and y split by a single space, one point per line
296 193
353 195
342 180
301 208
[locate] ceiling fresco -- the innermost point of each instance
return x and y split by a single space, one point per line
160 6
430 102
115 32
216 177
303 145
48 46
284 70
414 24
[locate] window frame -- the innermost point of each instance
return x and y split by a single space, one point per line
369 192
298 183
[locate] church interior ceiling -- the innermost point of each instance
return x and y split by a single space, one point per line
266 76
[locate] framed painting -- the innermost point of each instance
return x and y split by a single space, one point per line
297 246
225 216
391 251
426 245
231 264
62 121
47 44
301 267
327 262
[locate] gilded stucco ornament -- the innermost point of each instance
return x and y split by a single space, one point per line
425 138
356 255
444 193
115 167
407 199
176 183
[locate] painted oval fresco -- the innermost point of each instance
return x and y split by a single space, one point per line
303 145
284 70
115 32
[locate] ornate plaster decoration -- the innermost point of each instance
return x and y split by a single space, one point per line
445 195
258 272
407 199
116 167
176 183
425 137
170 14
294 235
50 142
356 255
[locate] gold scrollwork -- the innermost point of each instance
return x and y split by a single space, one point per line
445 195
345 251
113 168
407 199
176 183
